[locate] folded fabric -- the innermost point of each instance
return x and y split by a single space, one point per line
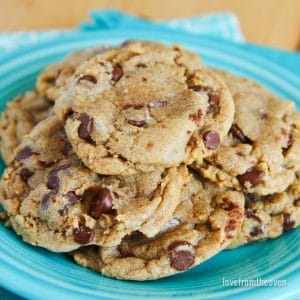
224 25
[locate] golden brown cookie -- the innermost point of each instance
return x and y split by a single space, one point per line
144 106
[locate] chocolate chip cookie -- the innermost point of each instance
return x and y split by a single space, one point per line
53 78
269 216
22 114
144 106
205 222
261 152
54 201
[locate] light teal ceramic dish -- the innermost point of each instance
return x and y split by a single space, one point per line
38 274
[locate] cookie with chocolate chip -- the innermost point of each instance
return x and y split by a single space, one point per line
206 221
54 201
21 115
54 76
261 152
144 106
267 217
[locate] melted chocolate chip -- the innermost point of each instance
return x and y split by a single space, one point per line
117 73
181 255
253 176
213 102
238 134
46 199
101 203
25 174
73 198
24 153
288 223
196 117
264 116
256 231
124 251
135 123
89 78
289 143
135 106
196 88
83 234
67 149
211 140
86 127
297 202
141 65
250 214
52 178
62 211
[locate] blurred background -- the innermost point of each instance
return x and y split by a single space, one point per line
273 23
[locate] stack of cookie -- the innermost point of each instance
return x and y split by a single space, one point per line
142 163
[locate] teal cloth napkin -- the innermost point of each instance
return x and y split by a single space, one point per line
224 25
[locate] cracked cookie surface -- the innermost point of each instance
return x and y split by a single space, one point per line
22 114
54 201
206 221
261 152
144 106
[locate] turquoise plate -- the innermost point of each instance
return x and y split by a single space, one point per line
38 274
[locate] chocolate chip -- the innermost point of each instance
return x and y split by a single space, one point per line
253 176
25 174
86 127
62 211
24 153
135 123
89 78
288 223
101 203
192 143
83 234
297 202
238 134
256 231
160 103
249 214
117 73
52 178
289 143
67 149
135 106
196 117
213 102
73 198
290 140
141 65
211 140
124 251
181 255
46 199
264 116
196 88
